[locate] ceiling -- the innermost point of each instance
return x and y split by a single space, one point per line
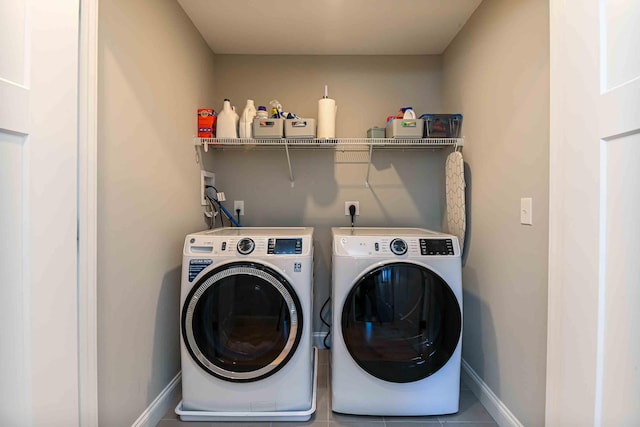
329 27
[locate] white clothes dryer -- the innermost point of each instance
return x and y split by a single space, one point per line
397 322
246 319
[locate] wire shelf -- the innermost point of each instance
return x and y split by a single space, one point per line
337 143
342 144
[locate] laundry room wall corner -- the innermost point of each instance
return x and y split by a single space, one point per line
496 73
155 71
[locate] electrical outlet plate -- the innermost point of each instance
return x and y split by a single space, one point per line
526 211
206 178
346 207
238 204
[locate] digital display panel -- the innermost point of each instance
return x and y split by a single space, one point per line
436 247
287 246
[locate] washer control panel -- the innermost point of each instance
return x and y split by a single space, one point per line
248 245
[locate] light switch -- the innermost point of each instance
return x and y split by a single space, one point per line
526 211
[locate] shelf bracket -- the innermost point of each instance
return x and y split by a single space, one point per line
286 148
198 150
366 181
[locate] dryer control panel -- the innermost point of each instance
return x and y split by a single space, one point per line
401 247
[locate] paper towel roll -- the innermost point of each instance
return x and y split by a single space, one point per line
327 118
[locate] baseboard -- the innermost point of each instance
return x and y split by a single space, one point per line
488 398
318 339
161 404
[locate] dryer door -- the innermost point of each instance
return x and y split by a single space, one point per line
401 322
242 322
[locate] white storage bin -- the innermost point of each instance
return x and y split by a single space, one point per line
405 128
268 128
300 128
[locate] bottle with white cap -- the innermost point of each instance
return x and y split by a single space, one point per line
262 112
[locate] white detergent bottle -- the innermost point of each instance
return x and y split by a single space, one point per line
226 123
246 120
236 117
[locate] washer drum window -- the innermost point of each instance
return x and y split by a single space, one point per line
242 322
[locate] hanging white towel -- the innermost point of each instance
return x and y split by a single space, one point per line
455 186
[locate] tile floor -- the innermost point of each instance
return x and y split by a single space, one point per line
471 412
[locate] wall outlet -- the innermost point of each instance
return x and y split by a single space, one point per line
346 207
238 204
206 178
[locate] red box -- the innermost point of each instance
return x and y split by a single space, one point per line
206 123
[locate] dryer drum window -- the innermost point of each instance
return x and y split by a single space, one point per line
242 322
401 322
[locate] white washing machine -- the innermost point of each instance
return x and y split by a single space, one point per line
397 322
246 319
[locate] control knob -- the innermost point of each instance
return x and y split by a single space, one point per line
399 246
246 246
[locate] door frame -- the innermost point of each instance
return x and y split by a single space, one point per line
87 197
87 213
577 255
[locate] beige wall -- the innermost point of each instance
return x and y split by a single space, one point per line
367 89
154 72
406 187
496 72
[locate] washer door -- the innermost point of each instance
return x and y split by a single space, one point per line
401 322
242 322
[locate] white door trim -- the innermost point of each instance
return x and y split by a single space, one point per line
87 213
593 240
